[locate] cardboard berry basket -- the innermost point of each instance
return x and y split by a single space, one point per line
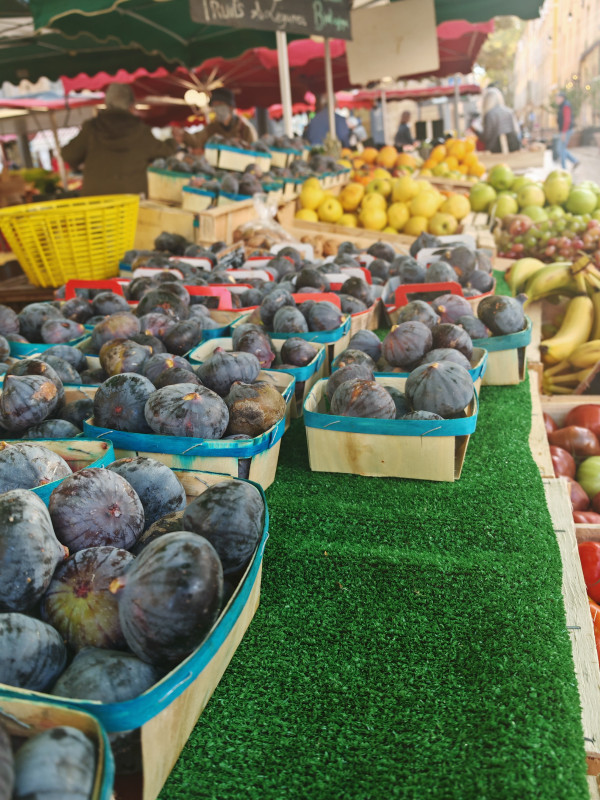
431 450
166 186
214 455
26 715
167 713
30 349
507 358
234 158
305 377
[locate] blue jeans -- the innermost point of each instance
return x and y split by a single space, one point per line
562 149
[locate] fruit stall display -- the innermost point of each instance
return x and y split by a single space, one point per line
359 572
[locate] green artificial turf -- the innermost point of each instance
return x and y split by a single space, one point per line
410 641
502 286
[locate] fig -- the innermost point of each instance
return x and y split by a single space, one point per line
298 352
32 653
222 369
253 408
119 403
187 410
157 486
24 465
118 326
26 400
122 355
59 331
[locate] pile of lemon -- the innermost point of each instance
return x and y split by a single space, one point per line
454 159
391 205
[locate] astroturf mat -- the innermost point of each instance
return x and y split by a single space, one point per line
410 642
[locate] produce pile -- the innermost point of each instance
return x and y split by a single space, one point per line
553 221
392 205
456 158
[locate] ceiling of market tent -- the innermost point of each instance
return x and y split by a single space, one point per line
165 27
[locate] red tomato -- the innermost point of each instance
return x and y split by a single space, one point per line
586 518
585 416
580 442
579 499
563 462
589 553
595 612
549 423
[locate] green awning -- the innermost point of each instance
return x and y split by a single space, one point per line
165 27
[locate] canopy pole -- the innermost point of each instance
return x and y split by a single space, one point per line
456 99
285 86
384 119
61 164
329 89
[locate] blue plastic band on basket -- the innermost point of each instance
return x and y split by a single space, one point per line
44 492
136 712
21 349
255 153
188 446
476 372
393 427
508 342
323 337
196 190
170 174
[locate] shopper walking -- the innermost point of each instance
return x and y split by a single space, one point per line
499 121
565 130
403 135
116 147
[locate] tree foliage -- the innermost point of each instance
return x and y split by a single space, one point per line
497 56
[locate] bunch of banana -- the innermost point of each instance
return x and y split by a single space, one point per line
538 280
573 352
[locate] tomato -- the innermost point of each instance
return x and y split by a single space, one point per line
586 518
585 416
580 442
549 424
563 462
589 553
579 499
595 612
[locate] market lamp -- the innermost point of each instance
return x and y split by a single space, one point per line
195 98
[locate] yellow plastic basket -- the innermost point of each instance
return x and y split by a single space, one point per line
81 238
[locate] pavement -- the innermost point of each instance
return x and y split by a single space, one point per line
588 169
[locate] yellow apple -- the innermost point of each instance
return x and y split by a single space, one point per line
424 186
372 218
349 220
442 224
311 196
351 196
416 226
374 200
389 229
398 215
382 186
307 214
312 182
404 189
425 204
381 173
458 205
330 210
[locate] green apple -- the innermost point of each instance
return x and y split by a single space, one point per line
519 182
581 201
531 195
536 213
505 204
591 185
596 214
560 173
554 212
481 196
556 190
501 177
442 224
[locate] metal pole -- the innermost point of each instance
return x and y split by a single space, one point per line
285 86
330 92
384 119
61 164
456 98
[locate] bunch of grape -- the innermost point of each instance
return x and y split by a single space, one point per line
552 240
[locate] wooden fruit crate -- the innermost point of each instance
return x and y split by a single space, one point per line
416 449
218 224
169 710
154 218
25 715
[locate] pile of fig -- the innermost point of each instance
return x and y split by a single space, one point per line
118 580
57 762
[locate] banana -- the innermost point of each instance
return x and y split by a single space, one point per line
574 330
585 355
595 334
550 280
574 378
521 271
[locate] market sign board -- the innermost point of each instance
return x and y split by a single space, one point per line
328 18
396 39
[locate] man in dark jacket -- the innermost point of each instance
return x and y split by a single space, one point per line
565 130
226 123
116 147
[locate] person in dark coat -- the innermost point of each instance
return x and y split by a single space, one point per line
318 128
565 130
499 120
226 123
403 135
115 148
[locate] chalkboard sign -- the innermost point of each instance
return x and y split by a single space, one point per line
329 18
